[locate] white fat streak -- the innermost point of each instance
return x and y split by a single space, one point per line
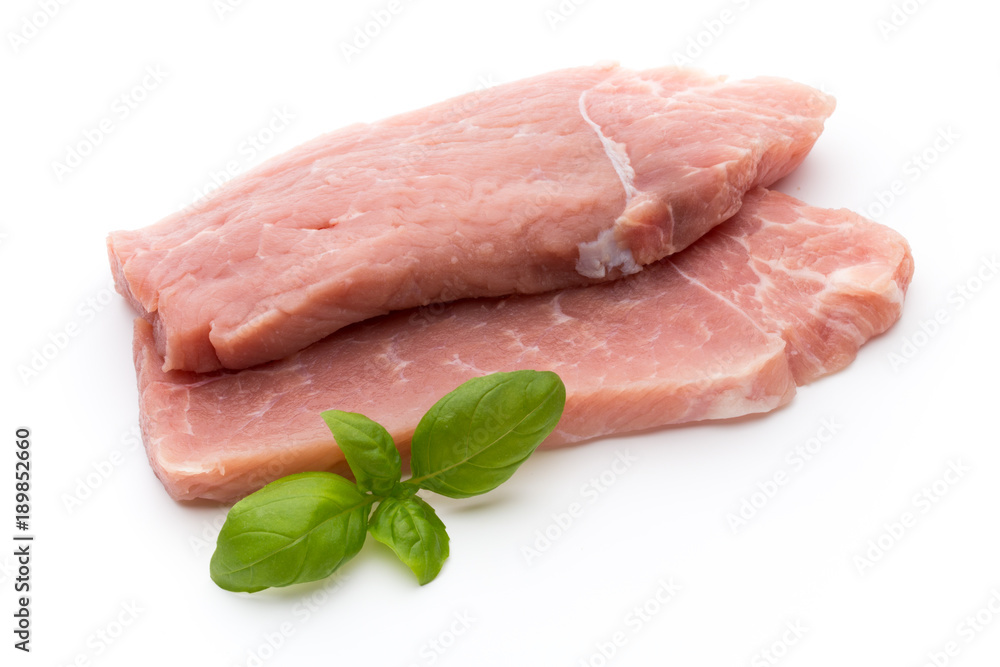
720 297
557 311
596 257
895 294
616 153
600 256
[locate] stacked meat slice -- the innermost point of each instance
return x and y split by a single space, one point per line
566 179
633 167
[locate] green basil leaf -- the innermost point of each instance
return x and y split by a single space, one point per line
369 450
298 528
474 438
412 529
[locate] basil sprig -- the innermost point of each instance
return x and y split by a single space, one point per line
304 526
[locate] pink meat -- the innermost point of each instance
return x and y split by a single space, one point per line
570 178
779 295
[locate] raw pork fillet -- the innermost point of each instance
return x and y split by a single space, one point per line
569 178
781 294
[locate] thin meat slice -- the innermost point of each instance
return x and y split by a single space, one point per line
571 178
782 293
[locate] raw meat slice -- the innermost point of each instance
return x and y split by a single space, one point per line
569 178
781 293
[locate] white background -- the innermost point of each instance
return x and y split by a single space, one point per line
123 552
